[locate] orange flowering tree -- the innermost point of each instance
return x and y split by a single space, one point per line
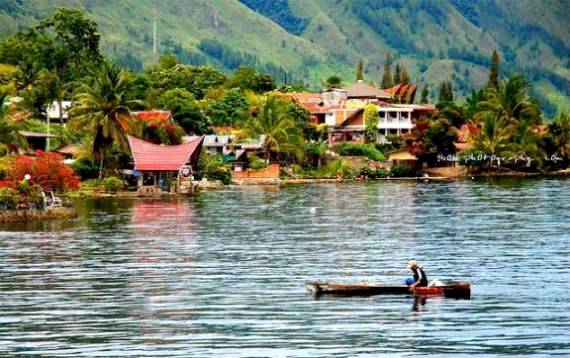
45 170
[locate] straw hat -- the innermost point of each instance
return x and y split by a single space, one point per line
412 263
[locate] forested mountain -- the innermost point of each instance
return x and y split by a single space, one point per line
309 40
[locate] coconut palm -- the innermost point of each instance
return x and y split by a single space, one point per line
276 127
510 102
559 133
10 137
525 145
101 106
494 137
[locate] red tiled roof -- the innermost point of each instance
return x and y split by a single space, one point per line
402 91
149 156
302 97
154 114
465 132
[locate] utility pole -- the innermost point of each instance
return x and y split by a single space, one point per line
154 35
47 138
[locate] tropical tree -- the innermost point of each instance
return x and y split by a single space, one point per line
316 151
559 137
276 127
230 109
74 47
10 137
371 122
186 110
471 105
430 138
493 81
333 81
454 113
525 149
510 102
405 76
195 79
446 92
425 94
387 80
494 137
248 78
397 74
102 108
359 70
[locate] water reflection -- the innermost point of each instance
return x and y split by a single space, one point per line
222 274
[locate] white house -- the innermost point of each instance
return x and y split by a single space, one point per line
52 111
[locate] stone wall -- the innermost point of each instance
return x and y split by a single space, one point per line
271 172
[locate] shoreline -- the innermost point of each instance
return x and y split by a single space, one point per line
15 216
310 181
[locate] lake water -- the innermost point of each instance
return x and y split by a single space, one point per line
222 274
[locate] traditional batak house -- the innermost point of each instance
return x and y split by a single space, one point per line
402 93
160 168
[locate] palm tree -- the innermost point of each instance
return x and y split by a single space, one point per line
275 126
101 106
494 137
526 146
511 102
10 137
559 132
317 150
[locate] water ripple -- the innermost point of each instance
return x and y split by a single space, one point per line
222 274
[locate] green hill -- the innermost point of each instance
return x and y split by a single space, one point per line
310 40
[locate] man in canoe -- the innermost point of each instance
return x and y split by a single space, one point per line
420 278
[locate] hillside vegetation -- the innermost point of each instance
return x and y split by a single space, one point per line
309 40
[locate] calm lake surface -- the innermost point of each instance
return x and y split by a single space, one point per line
222 274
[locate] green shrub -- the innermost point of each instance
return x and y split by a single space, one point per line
8 197
303 172
369 173
403 171
112 184
335 169
222 174
361 150
86 169
256 163
213 168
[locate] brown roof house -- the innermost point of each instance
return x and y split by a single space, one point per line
363 90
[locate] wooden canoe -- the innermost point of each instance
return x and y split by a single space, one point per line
456 290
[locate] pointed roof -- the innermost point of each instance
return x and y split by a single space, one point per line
403 91
149 156
361 89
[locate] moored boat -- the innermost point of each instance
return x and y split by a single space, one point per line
455 290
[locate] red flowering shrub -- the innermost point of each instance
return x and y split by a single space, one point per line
46 170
